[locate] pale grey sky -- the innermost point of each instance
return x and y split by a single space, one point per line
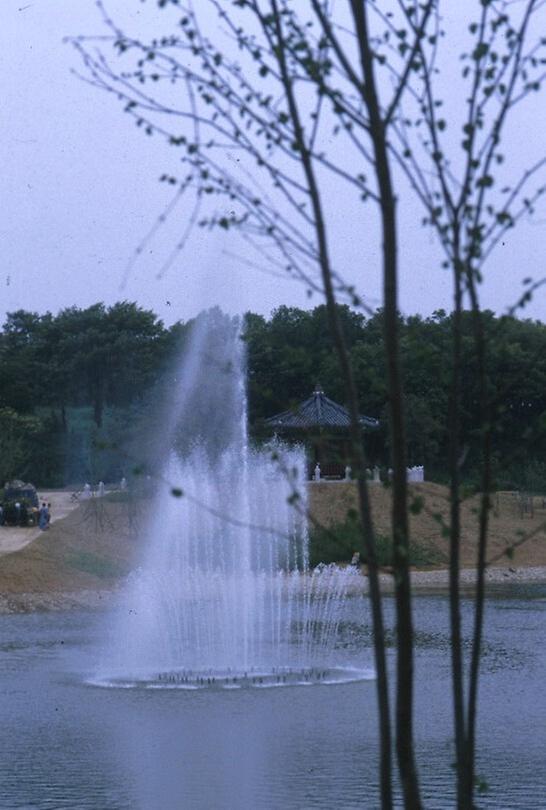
80 188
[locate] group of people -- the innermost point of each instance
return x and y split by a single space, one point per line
19 514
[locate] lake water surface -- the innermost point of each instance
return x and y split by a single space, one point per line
66 744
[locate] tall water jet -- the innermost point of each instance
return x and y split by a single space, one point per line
225 596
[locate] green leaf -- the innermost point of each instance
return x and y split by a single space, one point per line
480 51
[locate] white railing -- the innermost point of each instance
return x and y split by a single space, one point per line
413 474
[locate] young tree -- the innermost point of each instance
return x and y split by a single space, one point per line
303 96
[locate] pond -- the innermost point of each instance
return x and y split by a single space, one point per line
67 744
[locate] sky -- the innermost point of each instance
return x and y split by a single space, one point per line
80 190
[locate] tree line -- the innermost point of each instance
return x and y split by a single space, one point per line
77 388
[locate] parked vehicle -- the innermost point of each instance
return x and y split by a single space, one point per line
20 504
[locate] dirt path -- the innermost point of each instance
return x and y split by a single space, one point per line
13 538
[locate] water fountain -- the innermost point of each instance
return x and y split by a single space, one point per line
224 597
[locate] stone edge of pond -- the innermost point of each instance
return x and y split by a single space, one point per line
432 580
438 579
34 602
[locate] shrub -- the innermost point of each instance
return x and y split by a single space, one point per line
337 544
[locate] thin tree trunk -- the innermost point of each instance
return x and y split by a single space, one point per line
358 459
400 527
455 542
485 506
478 621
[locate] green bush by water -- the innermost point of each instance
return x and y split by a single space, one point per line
338 543
92 563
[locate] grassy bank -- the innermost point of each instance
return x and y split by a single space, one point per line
332 504
338 542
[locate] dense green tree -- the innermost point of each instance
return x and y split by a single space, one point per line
18 434
18 362
111 352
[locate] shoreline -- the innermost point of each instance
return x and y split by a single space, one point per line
12 604
438 579
423 581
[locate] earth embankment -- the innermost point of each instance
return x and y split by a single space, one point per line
83 557
512 520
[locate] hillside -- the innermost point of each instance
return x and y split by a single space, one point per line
86 554
90 549
330 501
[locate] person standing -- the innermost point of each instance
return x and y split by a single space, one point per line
43 520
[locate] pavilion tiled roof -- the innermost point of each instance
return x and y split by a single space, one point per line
317 412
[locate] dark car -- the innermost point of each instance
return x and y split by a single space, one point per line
19 491
19 504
